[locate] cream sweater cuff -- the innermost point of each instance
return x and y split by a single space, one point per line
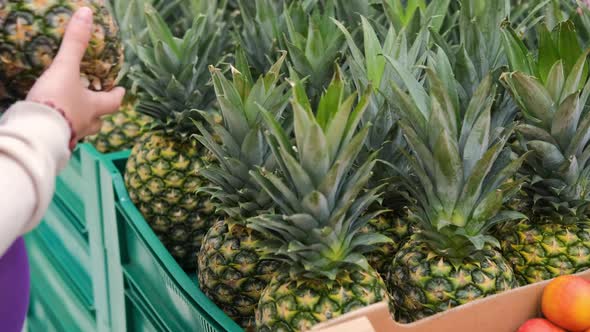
36 137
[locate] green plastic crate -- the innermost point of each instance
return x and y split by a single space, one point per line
72 239
40 318
146 285
55 306
70 187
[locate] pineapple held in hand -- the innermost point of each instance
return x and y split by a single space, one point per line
322 200
30 35
460 183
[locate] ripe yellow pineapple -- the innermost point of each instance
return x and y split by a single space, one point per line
461 171
551 91
322 205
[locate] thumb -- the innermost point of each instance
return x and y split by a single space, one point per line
107 102
76 38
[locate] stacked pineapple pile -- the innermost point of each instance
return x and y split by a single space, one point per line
310 157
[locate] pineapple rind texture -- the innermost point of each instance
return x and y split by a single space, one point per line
291 305
231 271
546 251
120 130
162 177
424 283
392 226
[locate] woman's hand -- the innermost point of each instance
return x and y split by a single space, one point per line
61 85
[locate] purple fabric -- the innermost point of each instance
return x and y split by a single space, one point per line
14 287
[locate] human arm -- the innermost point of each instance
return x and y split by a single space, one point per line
33 148
35 134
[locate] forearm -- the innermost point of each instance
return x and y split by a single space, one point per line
33 148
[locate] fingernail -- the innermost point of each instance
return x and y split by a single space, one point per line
84 14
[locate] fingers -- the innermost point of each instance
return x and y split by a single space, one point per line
76 38
107 102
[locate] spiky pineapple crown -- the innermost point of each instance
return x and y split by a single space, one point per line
305 29
552 92
461 171
319 193
262 23
173 72
133 28
243 146
369 67
474 48
314 43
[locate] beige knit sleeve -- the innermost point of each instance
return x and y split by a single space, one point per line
33 149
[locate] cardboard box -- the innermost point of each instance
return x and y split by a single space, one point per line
504 312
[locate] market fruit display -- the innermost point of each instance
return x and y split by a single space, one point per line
30 35
393 172
301 159
539 325
566 301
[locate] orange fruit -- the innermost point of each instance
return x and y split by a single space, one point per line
539 325
566 303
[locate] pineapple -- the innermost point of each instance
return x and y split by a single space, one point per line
120 131
322 199
230 269
394 226
30 34
555 240
460 183
163 171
